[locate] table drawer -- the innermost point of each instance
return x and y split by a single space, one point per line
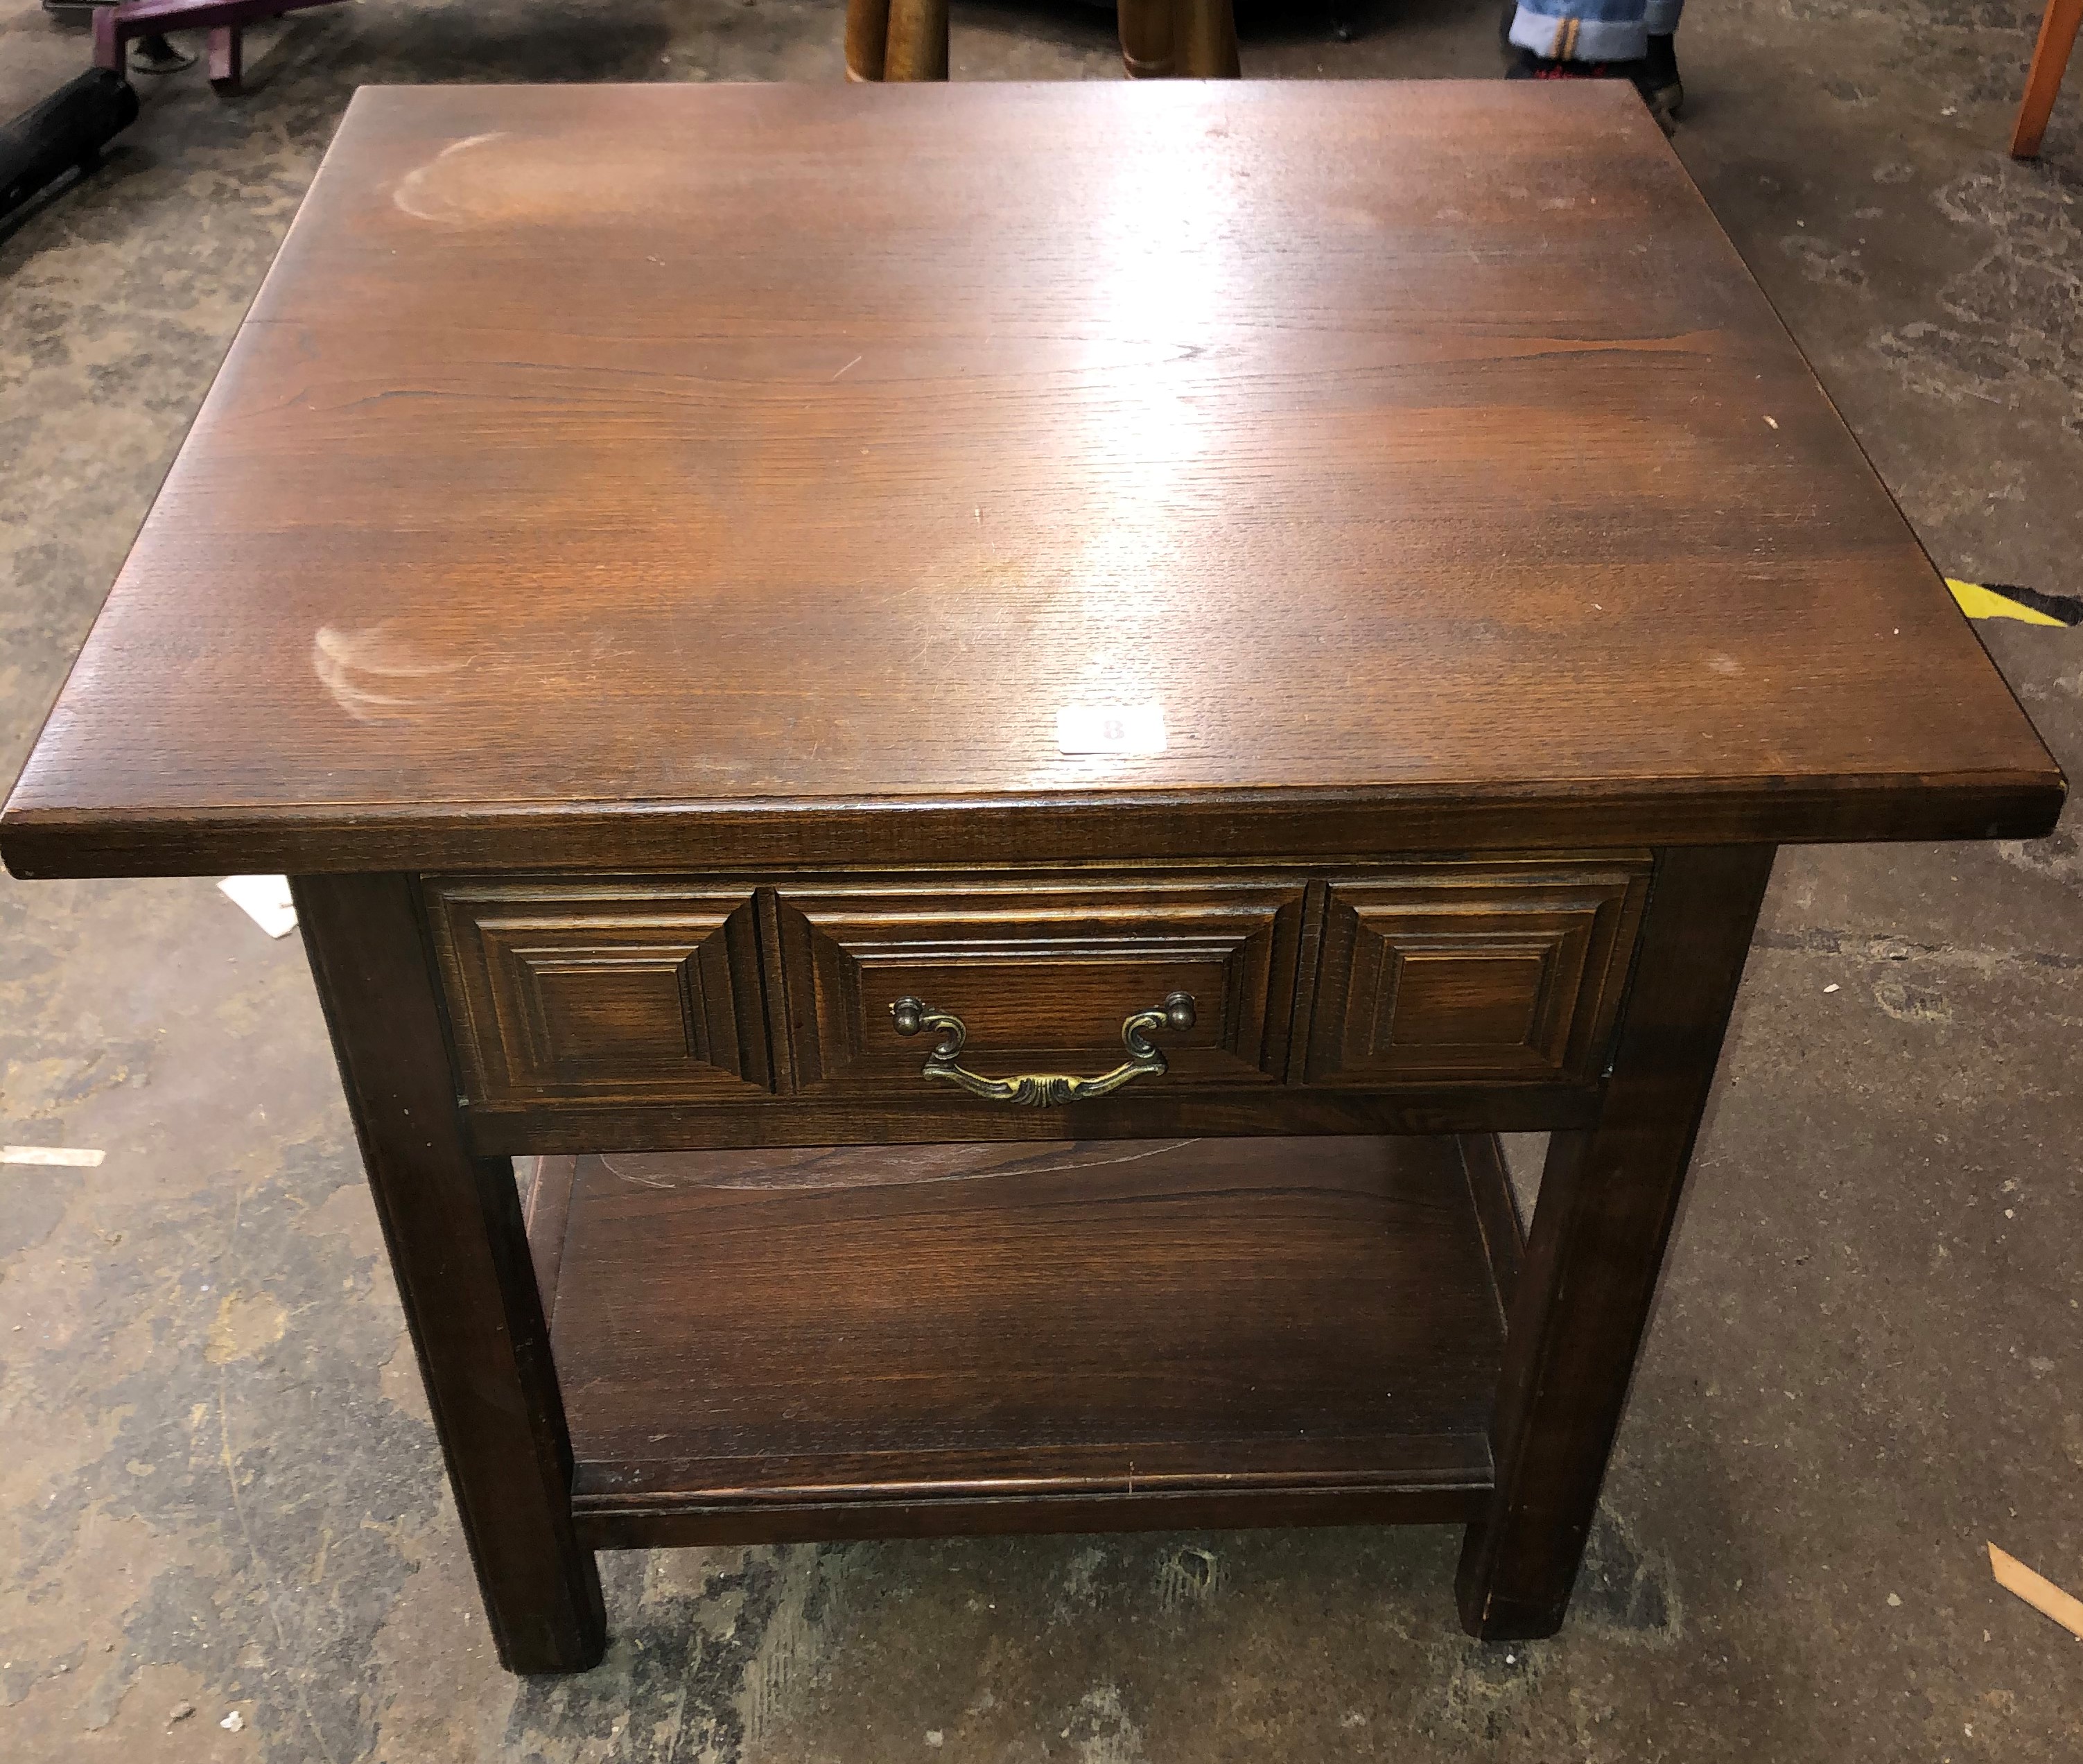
946 992
1042 976
641 990
1475 973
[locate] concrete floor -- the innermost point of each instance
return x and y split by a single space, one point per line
218 1488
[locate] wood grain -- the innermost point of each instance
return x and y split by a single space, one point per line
605 474
1255 1110
1608 1198
1474 971
1497 1211
964 1337
546 1214
459 1247
597 991
2041 1593
585 988
1042 977
629 569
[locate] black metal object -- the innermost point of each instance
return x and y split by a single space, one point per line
68 128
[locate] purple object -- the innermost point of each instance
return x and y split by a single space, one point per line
225 20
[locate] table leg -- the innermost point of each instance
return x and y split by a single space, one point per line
1608 1199
107 41
459 1248
227 59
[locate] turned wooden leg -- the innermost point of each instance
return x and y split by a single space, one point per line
1608 1198
916 47
866 36
460 1251
2042 80
1166 39
1147 38
1206 33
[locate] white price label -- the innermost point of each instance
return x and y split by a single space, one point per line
1110 728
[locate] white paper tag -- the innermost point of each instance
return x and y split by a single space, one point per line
265 899
1110 728
77 1156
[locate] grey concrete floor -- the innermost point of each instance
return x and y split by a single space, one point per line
217 1484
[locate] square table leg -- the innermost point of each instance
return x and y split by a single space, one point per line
1608 1197
459 1247
227 59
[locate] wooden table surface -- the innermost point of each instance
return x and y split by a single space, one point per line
605 474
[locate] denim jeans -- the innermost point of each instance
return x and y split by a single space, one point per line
1593 30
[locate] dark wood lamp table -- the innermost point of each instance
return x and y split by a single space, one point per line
1002 725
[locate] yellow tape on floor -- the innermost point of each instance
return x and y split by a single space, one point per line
1977 601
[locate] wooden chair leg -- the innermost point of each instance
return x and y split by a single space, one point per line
916 47
1206 34
866 36
1147 38
2050 59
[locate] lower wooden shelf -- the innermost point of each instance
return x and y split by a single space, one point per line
914 1340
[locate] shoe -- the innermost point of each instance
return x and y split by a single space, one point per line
1661 88
1655 75
155 54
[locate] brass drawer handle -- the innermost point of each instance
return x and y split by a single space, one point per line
1044 1090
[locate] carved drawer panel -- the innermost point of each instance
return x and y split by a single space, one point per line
642 990
1472 972
1042 977
1022 988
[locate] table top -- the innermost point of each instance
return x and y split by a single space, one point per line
692 475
